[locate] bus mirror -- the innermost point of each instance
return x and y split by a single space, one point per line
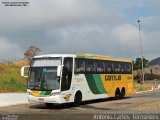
23 71
59 69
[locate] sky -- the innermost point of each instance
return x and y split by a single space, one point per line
106 27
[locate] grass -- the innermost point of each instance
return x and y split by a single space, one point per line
146 86
142 88
10 79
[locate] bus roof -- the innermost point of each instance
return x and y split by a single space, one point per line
55 55
101 57
84 55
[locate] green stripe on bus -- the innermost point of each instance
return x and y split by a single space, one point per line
99 83
45 93
92 84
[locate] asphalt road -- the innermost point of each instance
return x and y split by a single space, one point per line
146 103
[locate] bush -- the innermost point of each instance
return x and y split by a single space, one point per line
10 79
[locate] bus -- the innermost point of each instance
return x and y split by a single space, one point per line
73 78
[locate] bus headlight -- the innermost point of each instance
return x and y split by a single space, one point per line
55 93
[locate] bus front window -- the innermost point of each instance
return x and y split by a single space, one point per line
51 80
43 78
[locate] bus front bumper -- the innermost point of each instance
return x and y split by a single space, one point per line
48 99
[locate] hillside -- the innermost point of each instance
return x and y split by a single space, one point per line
155 62
154 67
10 79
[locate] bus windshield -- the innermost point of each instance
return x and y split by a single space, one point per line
43 78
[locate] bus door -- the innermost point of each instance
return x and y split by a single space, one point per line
67 74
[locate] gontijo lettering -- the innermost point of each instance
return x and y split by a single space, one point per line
112 77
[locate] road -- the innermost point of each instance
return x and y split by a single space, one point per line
146 103
7 99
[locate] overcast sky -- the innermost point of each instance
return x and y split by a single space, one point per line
107 27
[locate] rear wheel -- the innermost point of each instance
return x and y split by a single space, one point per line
117 94
123 92
77 99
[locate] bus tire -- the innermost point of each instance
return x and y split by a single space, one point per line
117 93
50 105
123 92
77 99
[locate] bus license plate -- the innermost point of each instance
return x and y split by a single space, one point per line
41 99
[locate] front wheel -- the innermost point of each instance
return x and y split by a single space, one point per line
77 99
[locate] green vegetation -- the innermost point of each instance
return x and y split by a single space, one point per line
137 64
10 79
142 88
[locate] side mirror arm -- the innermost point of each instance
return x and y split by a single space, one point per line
22 71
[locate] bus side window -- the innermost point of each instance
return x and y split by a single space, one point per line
108 67
129 68
90 66
123 67
99 67
79 66
116 67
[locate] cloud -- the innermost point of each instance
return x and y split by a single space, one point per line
9 50
128 39
150 23
76 26
126 35
40 14
120 41
96 38
55 23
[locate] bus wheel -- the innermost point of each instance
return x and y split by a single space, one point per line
49 104
123 92
117 94
77 99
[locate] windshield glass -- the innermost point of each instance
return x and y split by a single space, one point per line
43 78
43 73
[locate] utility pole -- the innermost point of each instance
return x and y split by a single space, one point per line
141 50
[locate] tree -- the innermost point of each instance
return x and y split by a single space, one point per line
137 64
31 52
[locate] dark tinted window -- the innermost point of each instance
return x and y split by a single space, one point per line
90 66
67 74
123 67
117 67
108 67
79 66
128 68
99 66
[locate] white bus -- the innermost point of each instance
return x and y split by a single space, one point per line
66 78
